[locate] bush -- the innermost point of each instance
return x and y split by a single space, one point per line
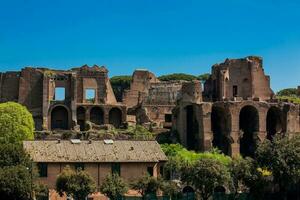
16 123
15 183
147 185
77 184
12 155
113 186
282 158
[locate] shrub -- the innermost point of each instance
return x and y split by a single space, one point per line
16 123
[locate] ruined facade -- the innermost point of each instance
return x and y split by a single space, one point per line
237 110
152 100
238 78
64 100
233 110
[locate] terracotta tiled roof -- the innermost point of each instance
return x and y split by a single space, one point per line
95 151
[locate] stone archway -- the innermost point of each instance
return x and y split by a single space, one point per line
59 118
249 128
274 122
97 116
192 128
221 128
115 117
80 113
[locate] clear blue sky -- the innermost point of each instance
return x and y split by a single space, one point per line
164 36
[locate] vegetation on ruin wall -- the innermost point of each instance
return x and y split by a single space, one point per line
119 85
16 123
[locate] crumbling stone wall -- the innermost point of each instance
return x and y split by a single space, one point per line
151 97
238 78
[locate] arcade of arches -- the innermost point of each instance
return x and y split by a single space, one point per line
61 119
233 127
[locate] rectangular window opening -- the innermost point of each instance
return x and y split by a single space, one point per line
60 94
90 94
235 90
116 168
42 169
150 171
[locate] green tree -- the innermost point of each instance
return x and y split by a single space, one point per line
171 189
241 171
203 77
16 172
288 92
248 177
15 183
113 186
147 185
16 123
177 77
119 85
282 158
205 175
77 184
12 155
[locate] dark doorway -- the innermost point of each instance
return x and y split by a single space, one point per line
274 122
97 116
59 118
81 118
115 117
221 128
249 127
191 128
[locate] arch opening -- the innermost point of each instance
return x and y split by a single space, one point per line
221 128
249 127
80 112
192 128
274 122
59 118
188 192
115 117
97 116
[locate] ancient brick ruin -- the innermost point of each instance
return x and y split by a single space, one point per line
236 109
37 89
